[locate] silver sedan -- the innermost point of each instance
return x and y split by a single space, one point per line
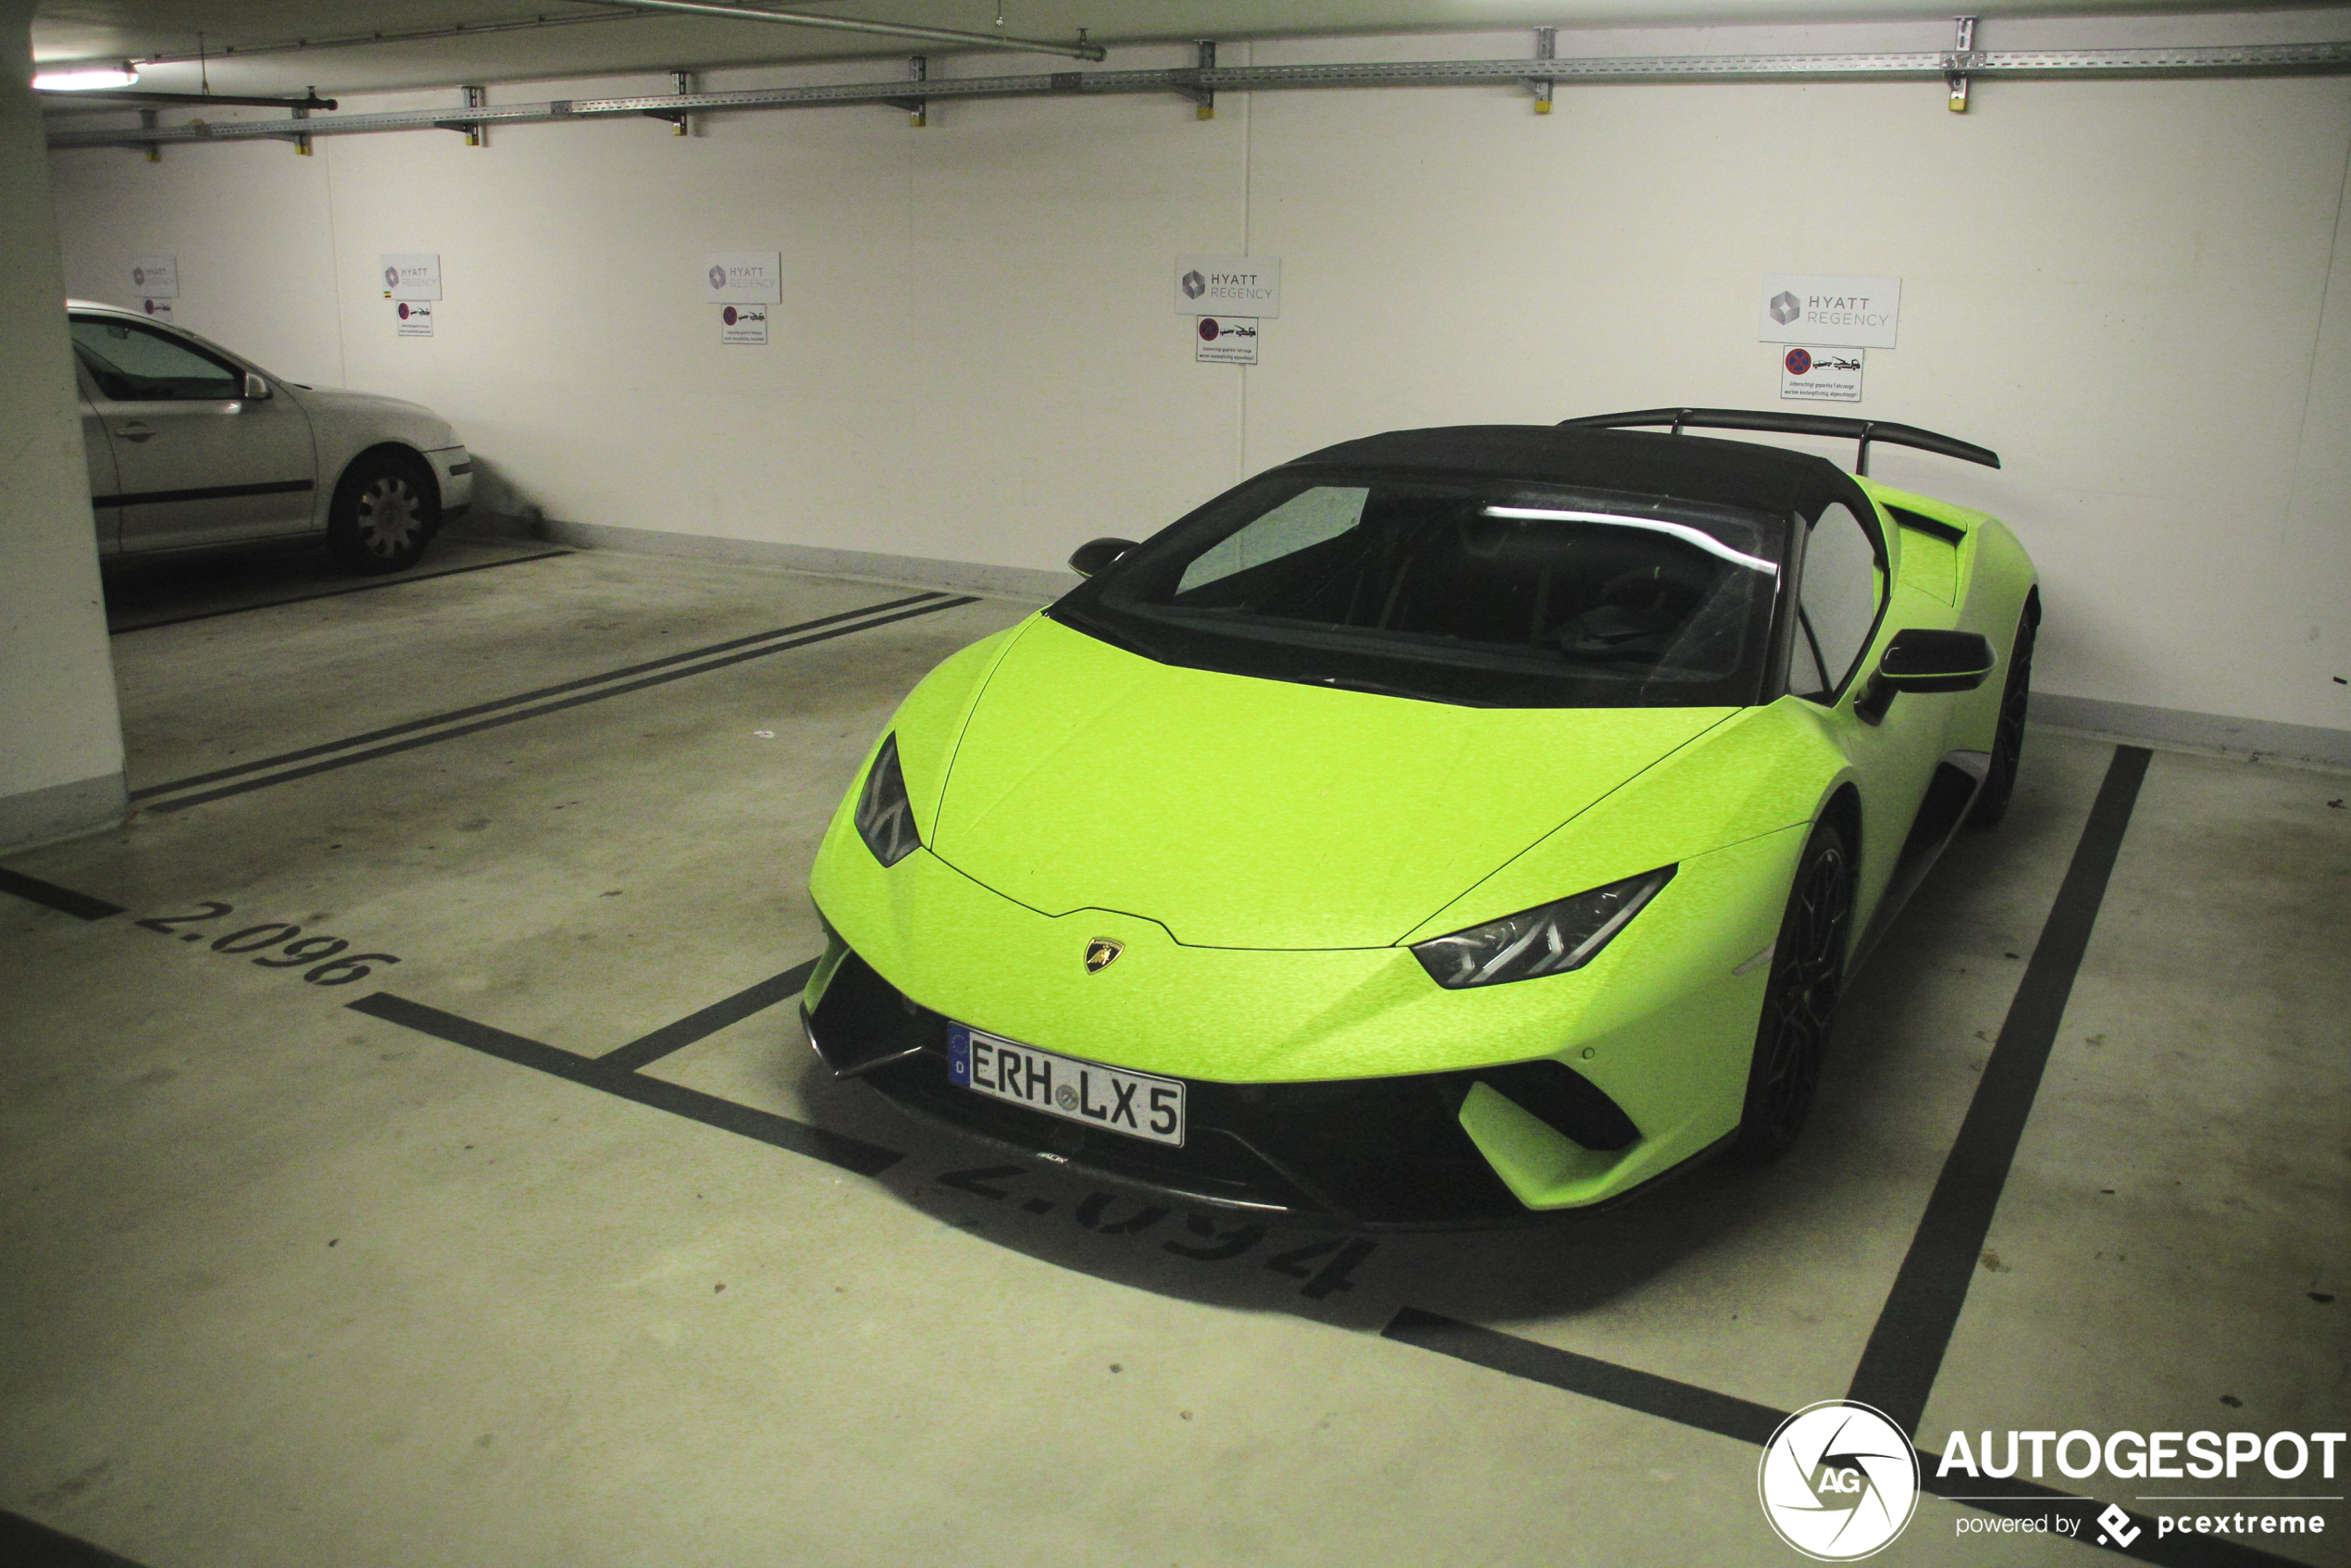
190 445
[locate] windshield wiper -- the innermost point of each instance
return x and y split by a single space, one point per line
1117 638
1380 689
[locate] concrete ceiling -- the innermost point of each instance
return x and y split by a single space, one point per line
585 39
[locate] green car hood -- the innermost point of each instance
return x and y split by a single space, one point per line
1261 813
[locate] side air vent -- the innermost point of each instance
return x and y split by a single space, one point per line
1567 1100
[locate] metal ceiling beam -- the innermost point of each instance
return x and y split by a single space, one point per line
855 24
2252 59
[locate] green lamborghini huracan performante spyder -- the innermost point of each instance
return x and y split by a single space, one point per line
1449 825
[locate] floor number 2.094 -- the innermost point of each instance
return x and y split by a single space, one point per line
1209 1238
324 961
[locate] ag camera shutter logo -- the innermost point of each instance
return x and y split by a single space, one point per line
1838 1481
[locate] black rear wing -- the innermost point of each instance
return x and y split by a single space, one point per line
1863 430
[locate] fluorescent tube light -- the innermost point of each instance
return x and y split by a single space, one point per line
87 79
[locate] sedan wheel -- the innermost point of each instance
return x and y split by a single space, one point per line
1807 973
384 515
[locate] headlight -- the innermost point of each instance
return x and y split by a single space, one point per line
1548 940
884 816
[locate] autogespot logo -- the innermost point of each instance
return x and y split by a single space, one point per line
1194 285
1785 308
1838 1480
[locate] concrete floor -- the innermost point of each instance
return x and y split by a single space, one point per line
286 1283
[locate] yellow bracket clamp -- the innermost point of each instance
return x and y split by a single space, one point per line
1962 52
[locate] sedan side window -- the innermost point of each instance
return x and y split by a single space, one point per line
133 362
1838 602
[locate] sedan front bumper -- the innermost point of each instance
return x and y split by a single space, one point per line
452 470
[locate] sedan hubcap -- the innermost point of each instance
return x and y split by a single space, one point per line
390 516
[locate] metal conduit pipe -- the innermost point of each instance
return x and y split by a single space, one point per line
2254 59
855 24
355 40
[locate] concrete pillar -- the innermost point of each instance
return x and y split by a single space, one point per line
60 728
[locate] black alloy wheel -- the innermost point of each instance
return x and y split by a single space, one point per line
2008 743
1808 972
385 512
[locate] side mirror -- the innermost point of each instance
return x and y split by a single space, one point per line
1920 660
1097 553
256 386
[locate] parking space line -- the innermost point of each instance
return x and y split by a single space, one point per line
1898 1370
652 1048
1745 1421
333 592
65 900
1905 1351
352 758
1723 1414
818 1143
453 715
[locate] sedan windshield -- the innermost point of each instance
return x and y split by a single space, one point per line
1475 589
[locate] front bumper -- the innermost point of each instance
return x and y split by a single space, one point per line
1372 1153
1342 1084
452 470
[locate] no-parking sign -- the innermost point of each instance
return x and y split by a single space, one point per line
1814 374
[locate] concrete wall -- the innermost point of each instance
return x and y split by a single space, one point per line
60 731
2123 286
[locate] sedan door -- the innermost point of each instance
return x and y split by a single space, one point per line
197 461
97 453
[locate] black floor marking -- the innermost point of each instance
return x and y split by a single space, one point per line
352 758
65 900
2063 943
1905 1351
1749 1422
782 1132
27 1543
429 721
1643 1391
331 592
709 1021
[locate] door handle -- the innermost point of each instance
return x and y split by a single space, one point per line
136 433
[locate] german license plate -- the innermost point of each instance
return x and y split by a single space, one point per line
1134 1103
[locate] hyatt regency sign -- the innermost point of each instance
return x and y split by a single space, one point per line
1803 307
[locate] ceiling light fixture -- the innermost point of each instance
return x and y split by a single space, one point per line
88 79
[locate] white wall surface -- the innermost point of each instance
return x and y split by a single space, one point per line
60 731
2122 286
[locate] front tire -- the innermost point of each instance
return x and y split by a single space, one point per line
1799 1002
2008 743
384 513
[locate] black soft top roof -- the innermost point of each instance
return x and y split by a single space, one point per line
1734 473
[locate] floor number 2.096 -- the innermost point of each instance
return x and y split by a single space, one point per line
281 945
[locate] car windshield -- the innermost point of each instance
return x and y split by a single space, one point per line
1477 590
